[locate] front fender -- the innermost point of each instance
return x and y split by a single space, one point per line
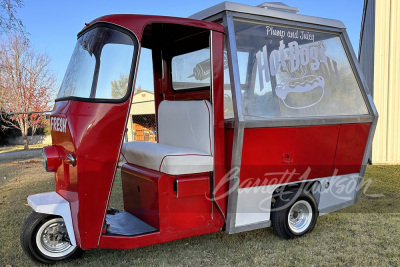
53 203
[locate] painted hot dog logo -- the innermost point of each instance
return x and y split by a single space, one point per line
292 59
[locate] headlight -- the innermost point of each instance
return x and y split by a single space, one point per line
52 157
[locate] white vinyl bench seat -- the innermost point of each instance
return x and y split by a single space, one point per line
168 159
185 140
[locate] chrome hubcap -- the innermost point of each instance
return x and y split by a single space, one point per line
52 238
300 216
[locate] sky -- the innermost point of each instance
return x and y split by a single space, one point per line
53 25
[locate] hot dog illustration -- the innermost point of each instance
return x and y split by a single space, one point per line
300 85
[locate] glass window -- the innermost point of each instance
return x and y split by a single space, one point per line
228 102
100 65
292 72
143 105
191 70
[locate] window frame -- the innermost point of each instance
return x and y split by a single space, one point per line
251 122
131 71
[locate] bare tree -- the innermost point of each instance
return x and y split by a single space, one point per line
26 85
118 87
8 16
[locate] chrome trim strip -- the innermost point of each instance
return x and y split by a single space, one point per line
371 107
249 227
362 83
368 149
297 24
306 121
239 126
246 9
337 207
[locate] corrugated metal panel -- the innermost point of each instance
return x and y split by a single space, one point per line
386 145
393 148
366 49
381 80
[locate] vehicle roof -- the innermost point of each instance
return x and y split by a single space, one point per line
137 23
256 10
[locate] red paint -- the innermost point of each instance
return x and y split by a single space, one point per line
287 154
137 23
192 186
140 193
94 133
219 121
151 196
55 156
350 148
123 242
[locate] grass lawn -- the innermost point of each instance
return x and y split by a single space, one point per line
366 234
5 149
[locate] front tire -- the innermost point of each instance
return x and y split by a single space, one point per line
44 239
294 214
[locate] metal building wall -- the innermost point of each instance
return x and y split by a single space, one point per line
380 61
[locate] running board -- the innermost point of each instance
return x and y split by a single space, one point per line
125 224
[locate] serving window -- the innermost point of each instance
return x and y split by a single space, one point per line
294 72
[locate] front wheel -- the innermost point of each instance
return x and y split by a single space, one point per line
44 238
294 214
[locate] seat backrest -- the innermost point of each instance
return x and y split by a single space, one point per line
186 124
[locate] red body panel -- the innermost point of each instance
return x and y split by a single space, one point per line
123 242
351 147
137 23
94 133
156 203
283 155
219 123
140 193
192 186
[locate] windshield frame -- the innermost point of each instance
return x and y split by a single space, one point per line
136 48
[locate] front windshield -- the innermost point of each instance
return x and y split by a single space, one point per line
100 66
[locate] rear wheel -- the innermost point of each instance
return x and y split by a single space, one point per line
294 214
44 238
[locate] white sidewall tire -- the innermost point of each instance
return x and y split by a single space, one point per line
51 251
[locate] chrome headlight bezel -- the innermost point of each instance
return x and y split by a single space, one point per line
44 159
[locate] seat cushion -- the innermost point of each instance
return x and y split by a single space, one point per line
167 159
186 124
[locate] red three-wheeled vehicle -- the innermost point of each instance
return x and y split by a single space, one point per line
262 119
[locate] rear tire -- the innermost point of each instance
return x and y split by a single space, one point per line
44 239
294 214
